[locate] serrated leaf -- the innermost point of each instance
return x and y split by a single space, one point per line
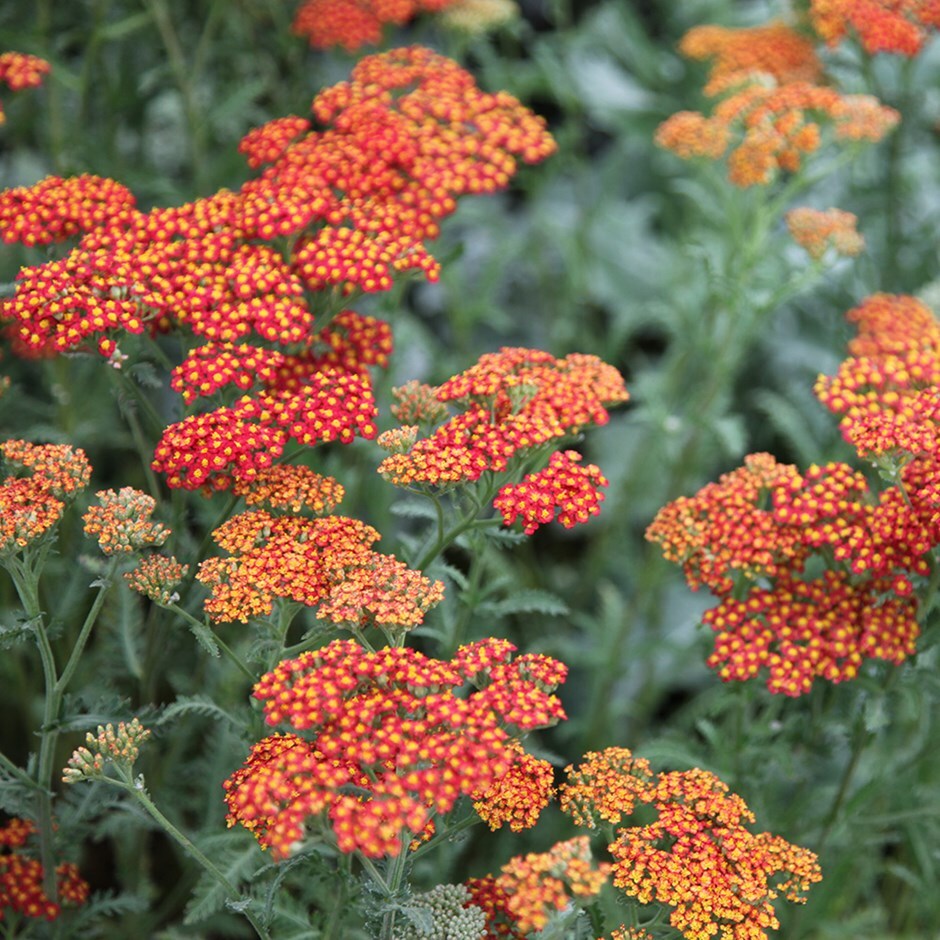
414 509
529 601
205 638
10 636
146 375
503 537
200 705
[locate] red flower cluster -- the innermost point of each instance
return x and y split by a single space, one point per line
885 391
563 486
353 24
31 505
697 856
748 539
770 110
21 877
390 743
326 563
728 529
233 444
354 202
897 26
55 208
19 70
513 402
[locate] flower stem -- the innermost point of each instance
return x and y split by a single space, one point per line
136 789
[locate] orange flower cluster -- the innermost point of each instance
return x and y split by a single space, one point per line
604 787
775 50
771 111
326 563
697 856
156 577
353 24
31 505
391 744
897 26
563 486
818 230
520 795
533 887
401 141
762 523
121 521
19 70
513 401
55 208
21 878
291 488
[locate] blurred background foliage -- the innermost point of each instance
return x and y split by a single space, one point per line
611 247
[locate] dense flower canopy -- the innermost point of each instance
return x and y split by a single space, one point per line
383 742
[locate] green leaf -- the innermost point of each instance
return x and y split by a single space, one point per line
187 705
414 509
529 601
205 638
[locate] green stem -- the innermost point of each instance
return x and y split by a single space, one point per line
137 790
396 873
185 78
85 632
232 655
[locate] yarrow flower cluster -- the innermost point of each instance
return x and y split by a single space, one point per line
564 486
121 521
108 745
818 230
31 505
401 141
698 857
901 27
749 537
327 563
771 114
774 50
157 577
384 741
531 889
513 402
21 878
55 208
20 70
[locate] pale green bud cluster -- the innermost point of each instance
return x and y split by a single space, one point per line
447 918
